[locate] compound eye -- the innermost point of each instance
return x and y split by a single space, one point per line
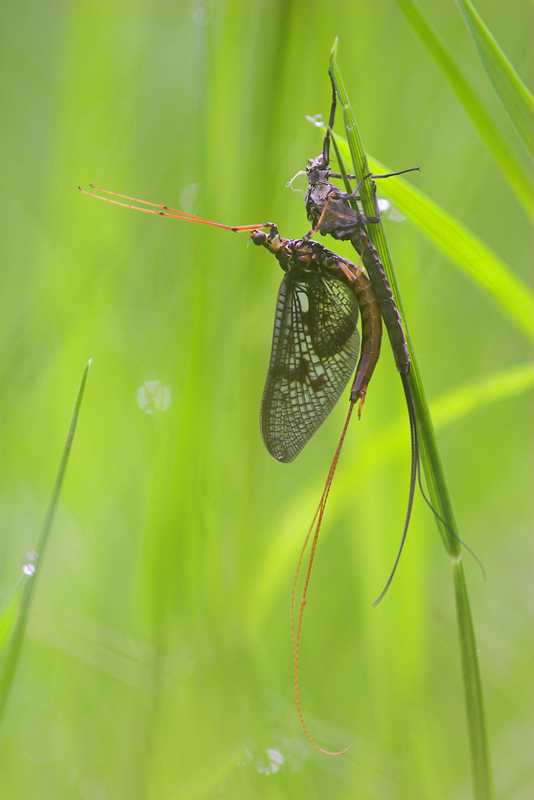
258 237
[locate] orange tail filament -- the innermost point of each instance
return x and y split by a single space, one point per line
296 624
166 211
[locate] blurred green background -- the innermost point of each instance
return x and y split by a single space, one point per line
157 664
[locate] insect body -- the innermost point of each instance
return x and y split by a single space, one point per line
328 209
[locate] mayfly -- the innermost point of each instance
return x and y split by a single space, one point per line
330 212
314 353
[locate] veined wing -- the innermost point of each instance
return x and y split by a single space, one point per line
314 353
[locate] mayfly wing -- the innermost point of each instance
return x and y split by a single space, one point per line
314 353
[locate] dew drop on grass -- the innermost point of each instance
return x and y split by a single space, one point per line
153 396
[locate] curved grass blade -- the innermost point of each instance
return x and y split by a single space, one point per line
435 476
14 615
518 177
510 89
9 614
464 399
462 247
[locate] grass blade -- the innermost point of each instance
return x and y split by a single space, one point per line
510 89
437 485
518 177
14 615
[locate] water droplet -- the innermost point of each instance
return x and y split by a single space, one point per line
317 120
388 209
276 759
28 569
153 396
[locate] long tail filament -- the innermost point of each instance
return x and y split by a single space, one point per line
166 211
296 624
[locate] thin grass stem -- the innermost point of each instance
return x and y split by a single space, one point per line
434 474
17 618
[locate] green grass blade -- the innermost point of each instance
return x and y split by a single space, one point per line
511 91
8 616
437 485
464 399
460 245
474 701
15 613
518 177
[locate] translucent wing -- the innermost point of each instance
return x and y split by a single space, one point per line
314 353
